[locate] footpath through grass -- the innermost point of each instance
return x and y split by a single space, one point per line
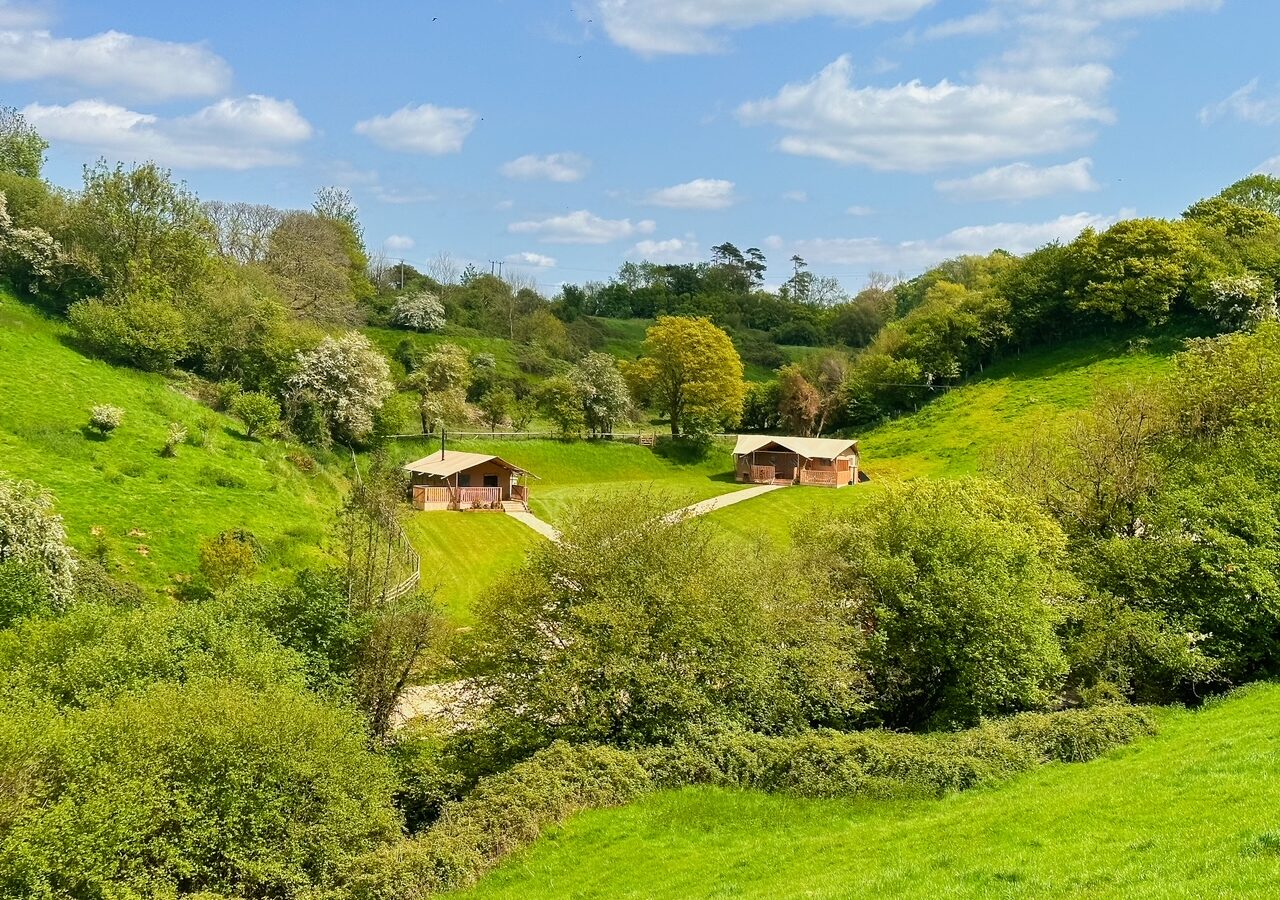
1193 812
152 511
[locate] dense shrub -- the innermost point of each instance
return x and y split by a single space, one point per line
202 786
229 557
135 329
887 764
504 813
960 585
257 411
93 653
638 626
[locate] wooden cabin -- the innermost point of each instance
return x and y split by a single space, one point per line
767 459
452 479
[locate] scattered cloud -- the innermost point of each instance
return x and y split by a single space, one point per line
670 251
701 193
140 67
428 129
918 255
917 127
538 260
398 242
796 196
582 227
559 167
235 133
857 210
656 27
401 196
1021 181
1270 167
1247 105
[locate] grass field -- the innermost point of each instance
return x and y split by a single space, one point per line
152 510
1192 812
465 554
952 434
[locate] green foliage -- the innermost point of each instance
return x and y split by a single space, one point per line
505 813
21 147
259 412
691 371
1136 269
561 400
419 310
95 653
133 329
1229 382
636 627
496 405
959 585
605 398
199 786
139 233
229 557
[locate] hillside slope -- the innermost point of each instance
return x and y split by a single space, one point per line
151 511
1188 813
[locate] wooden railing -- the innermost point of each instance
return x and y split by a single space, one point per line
520 493
762 474
823 477
485 496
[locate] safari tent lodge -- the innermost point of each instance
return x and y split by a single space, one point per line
452 479
766 459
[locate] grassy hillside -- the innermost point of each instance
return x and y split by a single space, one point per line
1188 813
950 435
152 511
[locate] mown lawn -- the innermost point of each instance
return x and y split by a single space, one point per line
1193 812
152 511
465 553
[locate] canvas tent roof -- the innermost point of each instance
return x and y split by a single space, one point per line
810 448
450 462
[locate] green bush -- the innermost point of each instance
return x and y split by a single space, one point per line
147 333
105 419
202 786
93 654
258 412
503 814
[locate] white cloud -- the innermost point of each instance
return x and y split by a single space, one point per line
582 227
1021 181
653 27
559 167
112 60
14 16
1270 167
433 130
398 242
701 193
538 260
917 127
1246 105
796 196
857 210
234 133
918 255
670 251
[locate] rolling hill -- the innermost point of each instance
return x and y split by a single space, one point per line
1188 813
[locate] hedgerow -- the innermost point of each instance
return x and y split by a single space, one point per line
507 812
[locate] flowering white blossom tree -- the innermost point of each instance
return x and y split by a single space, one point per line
31 532
419 310
348 379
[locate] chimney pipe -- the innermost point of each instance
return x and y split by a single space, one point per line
443 438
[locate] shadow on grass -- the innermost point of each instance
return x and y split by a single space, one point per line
92 434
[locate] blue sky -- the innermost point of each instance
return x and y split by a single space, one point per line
564 138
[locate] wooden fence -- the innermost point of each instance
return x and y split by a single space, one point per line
405 552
